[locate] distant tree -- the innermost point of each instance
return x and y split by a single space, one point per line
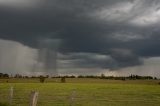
80 76
102 76
26 76
18 76
47 76
34 77
42 79
155 78
1 75
63 79
72 76
123 78
5 75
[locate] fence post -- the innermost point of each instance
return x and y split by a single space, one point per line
33 98
10 96
72 98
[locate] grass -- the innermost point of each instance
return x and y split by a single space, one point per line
4 104
83 92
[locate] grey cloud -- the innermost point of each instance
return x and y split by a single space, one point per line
86 60
127 36
125 58
92 27
118 58
141 13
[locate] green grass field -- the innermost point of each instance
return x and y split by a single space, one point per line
85 92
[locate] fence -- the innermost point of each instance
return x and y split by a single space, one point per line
32 99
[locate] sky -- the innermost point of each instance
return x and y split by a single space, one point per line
114 37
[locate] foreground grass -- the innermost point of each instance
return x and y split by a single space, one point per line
88 92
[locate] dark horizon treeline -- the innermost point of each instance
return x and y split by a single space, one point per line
102 76
131 77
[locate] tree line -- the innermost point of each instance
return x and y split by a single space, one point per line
102 76
131 77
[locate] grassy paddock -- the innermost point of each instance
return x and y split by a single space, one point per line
87 92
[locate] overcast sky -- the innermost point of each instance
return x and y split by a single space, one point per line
115 37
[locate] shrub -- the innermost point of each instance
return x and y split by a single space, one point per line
42 79
63 79
123 79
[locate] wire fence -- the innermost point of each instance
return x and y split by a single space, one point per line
24 97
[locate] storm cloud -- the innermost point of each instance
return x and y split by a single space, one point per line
93 34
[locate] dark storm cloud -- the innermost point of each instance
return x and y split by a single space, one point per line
86 60
124 58
108 27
